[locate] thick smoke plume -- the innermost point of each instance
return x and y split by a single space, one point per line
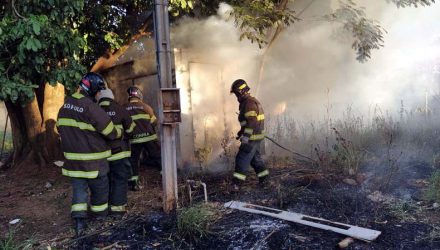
312 63
313 83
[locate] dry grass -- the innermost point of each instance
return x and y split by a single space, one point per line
194 222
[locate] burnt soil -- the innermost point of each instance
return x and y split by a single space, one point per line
404 218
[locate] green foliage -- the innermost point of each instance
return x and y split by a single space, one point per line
347 155
39 44
367 34
403 210
107 25
179 7
193 223
433 191
10 243
255 17
415 3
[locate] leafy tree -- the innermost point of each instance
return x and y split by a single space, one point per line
40 46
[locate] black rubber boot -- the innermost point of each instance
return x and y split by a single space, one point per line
80 226
133 186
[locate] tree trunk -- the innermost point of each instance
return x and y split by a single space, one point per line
34 133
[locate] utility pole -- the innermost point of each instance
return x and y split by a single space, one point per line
169 105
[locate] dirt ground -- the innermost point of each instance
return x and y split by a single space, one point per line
399 212
42 204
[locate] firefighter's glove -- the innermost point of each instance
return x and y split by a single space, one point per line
244 140
239 134
245 145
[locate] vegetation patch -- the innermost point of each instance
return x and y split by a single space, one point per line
194 222
9 242
433 191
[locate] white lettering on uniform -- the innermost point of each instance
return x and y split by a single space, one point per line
111 113
73 107
141 135
133 107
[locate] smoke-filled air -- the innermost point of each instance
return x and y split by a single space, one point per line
314 92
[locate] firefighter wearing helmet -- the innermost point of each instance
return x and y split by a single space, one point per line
84 129
119 162
251 118
144 135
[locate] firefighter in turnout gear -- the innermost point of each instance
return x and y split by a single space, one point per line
120 167
144 135
84 128
251 118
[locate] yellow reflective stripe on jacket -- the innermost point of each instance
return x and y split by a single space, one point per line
79 207
73 123
118 208
130 129
144 139
256 137
108 129
260 117
119 129
248 130
120 155
80 174
77 95
263 173
153 119
104 103
239 176
87 156
140 116
250 113
242 123
99 208
242 86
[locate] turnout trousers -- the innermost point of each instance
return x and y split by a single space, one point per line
249 154
154 158
120 172
99 189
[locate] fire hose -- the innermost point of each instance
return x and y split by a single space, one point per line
289 150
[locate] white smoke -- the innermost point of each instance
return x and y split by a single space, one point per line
312 63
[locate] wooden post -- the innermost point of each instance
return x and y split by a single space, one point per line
167 131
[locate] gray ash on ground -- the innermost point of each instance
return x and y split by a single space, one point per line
327 197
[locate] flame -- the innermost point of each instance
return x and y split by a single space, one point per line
280 108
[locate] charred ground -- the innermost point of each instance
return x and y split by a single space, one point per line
399 210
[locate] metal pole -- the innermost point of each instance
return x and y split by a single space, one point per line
167 131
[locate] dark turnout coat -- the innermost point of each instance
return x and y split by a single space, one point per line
84 128
123 124
251 118
145 120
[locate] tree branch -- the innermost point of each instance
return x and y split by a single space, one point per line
16 11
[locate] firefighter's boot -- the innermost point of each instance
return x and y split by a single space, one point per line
133 186
80 226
